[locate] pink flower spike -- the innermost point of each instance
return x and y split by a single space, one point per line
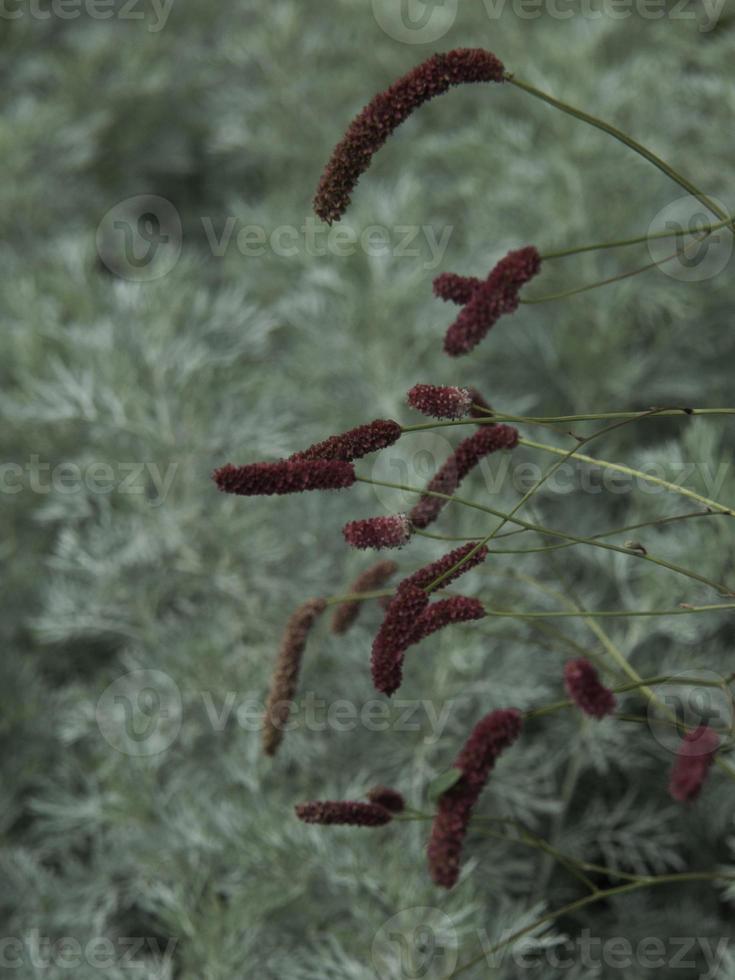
693 761
378 532
371 128
348 812
489 738
440 403
284 476
355 443
584 687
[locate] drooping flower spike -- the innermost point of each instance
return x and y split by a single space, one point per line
284 476
348 812
371 128
488 439
693 762
453 288
440 403
446 612
395 636
494 733
355 443
496 296
286 673
372 578
403 623
584 687
378 532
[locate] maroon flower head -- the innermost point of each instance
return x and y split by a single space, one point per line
386 797
378 532
693 761
453 288
425 576
349 812
494 733
284 476
440 403
496 296
372 127
395 636
286 673
372 578
586 690
457 609
355 443
488 439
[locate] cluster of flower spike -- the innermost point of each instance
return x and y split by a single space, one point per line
494 733
485 301
378 120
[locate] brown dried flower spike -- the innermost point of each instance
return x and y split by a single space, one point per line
286 673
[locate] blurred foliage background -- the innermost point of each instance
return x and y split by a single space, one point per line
132 586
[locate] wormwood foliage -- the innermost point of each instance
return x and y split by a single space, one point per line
193 850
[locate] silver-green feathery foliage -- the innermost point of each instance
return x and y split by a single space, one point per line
143 609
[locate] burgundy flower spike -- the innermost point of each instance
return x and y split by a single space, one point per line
488 439
396 635
378 532
693 761
370 130
284 476
349 812
586 690
488 300
391 799
457 609
372 578
440 403
488 739
355 443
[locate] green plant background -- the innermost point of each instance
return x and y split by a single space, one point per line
229 112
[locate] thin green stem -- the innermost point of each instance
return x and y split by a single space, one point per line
640 240
629 471
494 416
577 539
624 138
